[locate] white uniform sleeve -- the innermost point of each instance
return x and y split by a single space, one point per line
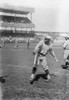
65 44
50 47
38 45
52 52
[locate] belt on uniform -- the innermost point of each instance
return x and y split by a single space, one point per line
41 54
66 49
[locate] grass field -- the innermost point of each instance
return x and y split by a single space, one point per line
17 64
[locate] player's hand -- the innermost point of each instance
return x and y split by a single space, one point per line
56 59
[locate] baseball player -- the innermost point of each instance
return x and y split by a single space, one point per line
66 52
3 40
16 43
41 50
28 43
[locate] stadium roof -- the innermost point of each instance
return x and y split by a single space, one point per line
15 9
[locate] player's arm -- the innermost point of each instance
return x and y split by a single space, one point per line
53 54
37 48
65 45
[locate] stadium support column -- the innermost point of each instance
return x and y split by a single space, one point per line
0 35
15 24
31 20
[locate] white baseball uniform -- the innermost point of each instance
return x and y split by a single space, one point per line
66 49
45 49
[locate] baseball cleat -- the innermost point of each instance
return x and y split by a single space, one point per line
3 79
64 67
47 78
32 78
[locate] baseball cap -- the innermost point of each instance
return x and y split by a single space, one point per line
47 37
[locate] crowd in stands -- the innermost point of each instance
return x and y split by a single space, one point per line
14 19
8 33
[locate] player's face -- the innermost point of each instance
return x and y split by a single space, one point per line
47 41
67 38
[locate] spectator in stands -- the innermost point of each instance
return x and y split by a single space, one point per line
10 38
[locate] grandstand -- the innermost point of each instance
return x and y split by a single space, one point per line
15 21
